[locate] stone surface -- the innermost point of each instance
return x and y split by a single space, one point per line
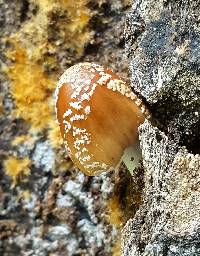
162 43
167 222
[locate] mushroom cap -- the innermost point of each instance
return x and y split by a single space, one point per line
98 116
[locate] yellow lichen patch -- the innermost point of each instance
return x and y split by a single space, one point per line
20 139
54 135
114 212
116 250
57 22
17 168
1 110
24 195
1 105
26 139
31 90
62 164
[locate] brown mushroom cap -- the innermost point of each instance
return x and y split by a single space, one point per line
98 115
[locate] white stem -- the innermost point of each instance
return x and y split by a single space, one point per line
132 157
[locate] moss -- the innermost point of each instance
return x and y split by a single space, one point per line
17 168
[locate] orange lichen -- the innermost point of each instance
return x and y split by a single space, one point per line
17 168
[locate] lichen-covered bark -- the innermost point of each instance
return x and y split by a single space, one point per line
162 42
47 207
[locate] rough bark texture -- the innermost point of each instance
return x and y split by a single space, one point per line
163 43
47 207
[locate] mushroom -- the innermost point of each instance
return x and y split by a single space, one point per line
98 115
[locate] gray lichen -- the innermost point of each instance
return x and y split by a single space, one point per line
44 156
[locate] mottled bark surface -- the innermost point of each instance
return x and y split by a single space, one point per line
47 207
163 42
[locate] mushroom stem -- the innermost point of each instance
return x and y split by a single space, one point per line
132 157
